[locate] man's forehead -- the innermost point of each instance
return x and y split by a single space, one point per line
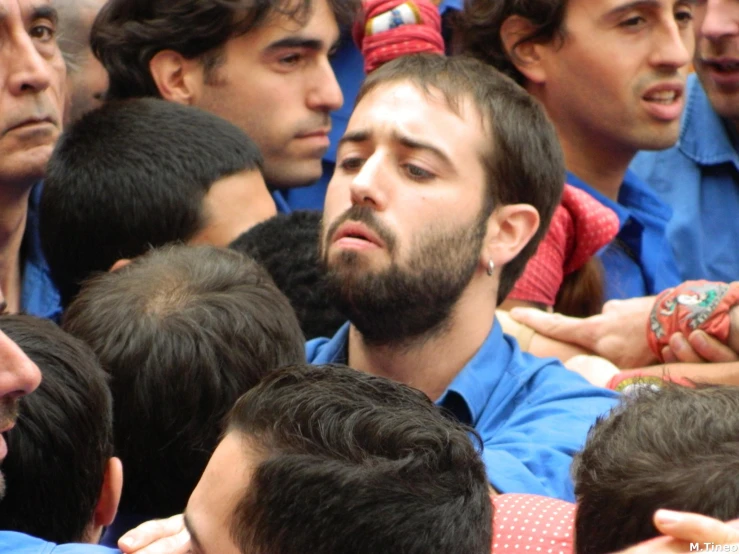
23 7
407 101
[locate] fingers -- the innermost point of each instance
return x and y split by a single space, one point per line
698 348
680 350
556 326
711 349
695 528
162 536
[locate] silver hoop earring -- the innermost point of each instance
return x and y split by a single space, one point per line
491 268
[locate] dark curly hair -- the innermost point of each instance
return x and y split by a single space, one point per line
477 29
287 247
127 34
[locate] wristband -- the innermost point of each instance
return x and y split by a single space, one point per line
693 305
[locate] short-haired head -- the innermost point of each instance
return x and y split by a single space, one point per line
63 439
349 462
674 448
133 175
183 332
479 29
287 247
128 33
523 163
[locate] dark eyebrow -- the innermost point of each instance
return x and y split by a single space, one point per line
404 140
193 536
45 12
416 144
296 42
636 4
355 137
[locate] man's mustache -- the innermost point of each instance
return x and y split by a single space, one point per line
365 215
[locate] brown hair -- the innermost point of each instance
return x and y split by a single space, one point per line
581 293
478 29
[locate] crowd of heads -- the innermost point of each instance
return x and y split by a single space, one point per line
175 380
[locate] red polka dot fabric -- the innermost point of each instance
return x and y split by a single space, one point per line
530 524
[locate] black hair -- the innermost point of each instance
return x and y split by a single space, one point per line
130 176
183 332
357 463
675 448
287 247
62 440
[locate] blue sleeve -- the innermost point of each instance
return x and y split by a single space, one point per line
532 450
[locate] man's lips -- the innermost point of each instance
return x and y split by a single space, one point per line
28 122
723 71
313 134
664 101
357 231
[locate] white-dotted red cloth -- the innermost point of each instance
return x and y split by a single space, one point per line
530 524
581 226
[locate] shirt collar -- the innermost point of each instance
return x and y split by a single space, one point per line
469 392
700 121
481 375
635 200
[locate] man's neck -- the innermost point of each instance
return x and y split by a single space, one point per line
430 364
13 212
603 167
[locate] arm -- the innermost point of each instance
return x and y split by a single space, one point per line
533 436
618 334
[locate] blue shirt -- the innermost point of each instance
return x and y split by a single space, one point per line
533 414
39 295
18 543
640 261
699 179
280 202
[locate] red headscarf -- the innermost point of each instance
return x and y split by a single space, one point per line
394 28
580 227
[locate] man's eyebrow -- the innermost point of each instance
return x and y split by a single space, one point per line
636 4
296 42
193 536
45 12
417 144
355 137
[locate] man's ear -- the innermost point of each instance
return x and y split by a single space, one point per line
510 229
110 494
526 55
123 262
178 79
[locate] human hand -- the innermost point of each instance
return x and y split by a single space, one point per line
161 536
698 347
683 530
618 334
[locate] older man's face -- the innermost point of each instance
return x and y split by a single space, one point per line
32 76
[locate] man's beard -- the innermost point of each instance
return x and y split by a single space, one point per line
8 414
403 305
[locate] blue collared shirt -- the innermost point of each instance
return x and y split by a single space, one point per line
640 261
39 295
18 543
699 179
533 414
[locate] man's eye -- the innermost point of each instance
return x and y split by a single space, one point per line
351 164
418 173
684 16
45 33
633 22
292 59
